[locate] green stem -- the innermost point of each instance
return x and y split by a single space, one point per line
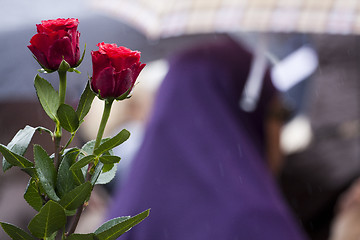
68 143
58 131
75 220
57 140
60 234
62 86
104 119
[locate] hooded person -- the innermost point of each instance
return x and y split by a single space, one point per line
202 166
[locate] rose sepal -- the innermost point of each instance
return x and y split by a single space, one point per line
81 59
43 68
97 93
74 70
125 95
64 66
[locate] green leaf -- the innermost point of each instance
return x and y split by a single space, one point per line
103 177
15 233
14 158
46 171
114 228
68 118
50 219
112 142
96 174
79 236
82 162
76 197
20 142
52 237
107 167
85 102
31 171
108 159
111 223
88 147
65 179
106 177
48 97
79 176
32 195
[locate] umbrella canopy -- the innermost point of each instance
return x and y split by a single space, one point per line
168 18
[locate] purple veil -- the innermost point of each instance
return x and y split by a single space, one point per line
201 167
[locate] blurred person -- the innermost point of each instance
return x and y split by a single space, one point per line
131 115
314 178
347 221
202 166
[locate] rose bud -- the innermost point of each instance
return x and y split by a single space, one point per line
115 70
56 40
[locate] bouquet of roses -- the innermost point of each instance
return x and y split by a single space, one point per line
61 182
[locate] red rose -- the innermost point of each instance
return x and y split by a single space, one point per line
115 70
55 40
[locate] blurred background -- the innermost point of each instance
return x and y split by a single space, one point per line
312 47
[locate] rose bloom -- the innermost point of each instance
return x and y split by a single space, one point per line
55 40
115 70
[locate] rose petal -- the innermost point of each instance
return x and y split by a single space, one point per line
100 61
123 82
126 79
41 41
121 57
40 56
59 24
136 69
122 62
56 39
104 83
75 45
61 48
125 67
